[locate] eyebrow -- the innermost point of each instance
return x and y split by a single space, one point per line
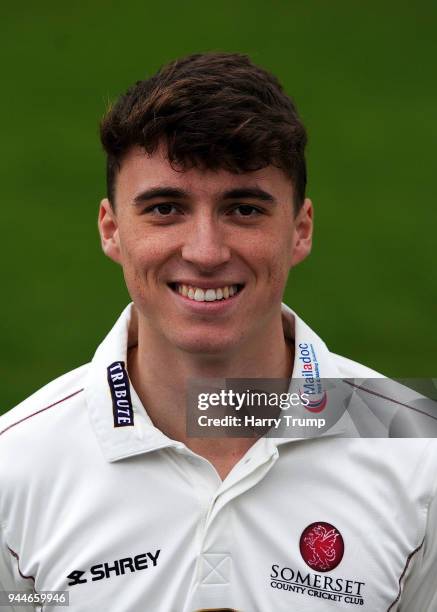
249 192
239 193
160 192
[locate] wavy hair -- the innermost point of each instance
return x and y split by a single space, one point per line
211 110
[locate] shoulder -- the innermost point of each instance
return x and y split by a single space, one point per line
42 442
312 350
39 437
352 369
42 405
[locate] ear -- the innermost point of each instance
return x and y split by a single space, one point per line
108 230
303 233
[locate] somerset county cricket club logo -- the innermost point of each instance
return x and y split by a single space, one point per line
321 546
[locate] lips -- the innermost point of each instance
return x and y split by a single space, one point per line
206 294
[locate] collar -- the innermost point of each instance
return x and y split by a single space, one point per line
119 442
142 437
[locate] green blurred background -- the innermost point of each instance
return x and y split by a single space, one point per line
364 78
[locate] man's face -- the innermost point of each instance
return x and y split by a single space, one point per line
205 254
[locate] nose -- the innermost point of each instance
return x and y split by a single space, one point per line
204 244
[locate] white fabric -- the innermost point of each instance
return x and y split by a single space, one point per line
76 493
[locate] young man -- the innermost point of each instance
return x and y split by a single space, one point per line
102 492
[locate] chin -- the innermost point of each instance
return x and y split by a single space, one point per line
214 344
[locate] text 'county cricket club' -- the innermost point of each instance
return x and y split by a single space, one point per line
312 384
118 381
321 546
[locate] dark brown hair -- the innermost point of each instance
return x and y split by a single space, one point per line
212 110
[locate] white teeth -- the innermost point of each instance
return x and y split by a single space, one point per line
207 295
210 295
199 295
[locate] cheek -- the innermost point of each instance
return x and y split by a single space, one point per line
138 262
278 275
139 250
271 263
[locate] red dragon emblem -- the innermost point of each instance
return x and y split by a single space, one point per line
321 546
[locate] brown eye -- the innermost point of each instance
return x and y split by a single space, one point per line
163 209
245 210
166 209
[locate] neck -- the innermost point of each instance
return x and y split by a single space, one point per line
159 374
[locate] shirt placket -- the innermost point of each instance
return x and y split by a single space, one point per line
212 585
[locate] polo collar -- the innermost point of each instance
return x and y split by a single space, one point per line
298 331
309 348
118 442
125 441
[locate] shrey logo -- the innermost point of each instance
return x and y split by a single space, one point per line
321 546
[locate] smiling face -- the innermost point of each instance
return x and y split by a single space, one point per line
205 254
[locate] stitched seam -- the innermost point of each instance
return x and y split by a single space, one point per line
40 410
390 399
14 554
214 570
410 556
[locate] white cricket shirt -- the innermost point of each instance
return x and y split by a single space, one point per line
127 520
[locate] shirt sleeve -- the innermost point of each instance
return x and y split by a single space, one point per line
10 579
420 588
